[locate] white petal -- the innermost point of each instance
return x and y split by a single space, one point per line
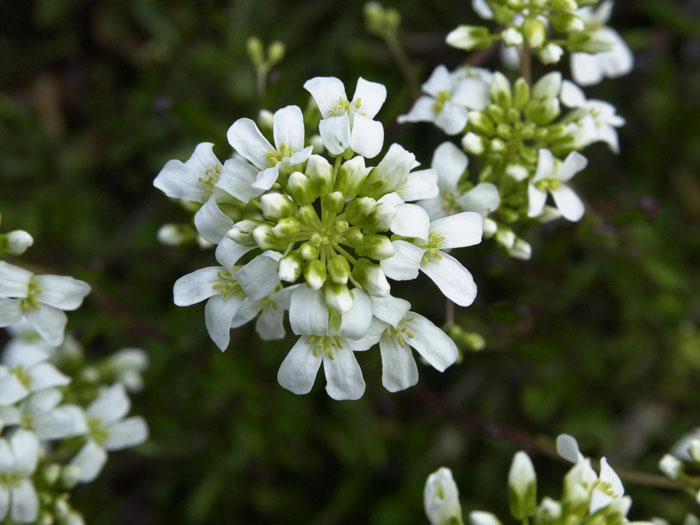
619 60
460 230
482 198
270 324
411 221
567 447
574 163
390 309
90 461
288 128
608 134
127 433
371 96
10 311
536 200
203 159
45 375
473 93
335 132
371 338
452 118
434 207
422 111
265 179
246 313
418 185
211 222
43 401
112 404
284 296
60 423
586 69
299 368
229 252
510 57
259 277
367 136
178 181
25 448
343 375
11 389
439 80
218 314
25 503
61 292
355 323
14 281
49 323
399 370
328 92
453 279
545 165
405 263
237 178
482 9
7 460
568 203
571 95
434 345
450 162
196 286
308 312
245 137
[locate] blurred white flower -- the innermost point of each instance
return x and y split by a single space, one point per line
551 178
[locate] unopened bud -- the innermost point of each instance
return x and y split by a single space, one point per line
315 273
549 86
473 143
500 90
549 512
479 517
522 486
290 267
339 269
319 171
535 32
441 498
334 202
469 37
308 251
590 41
255 51
550 54
376 247
351 175
276 206
521 93
359 209
299 187
371 277
671 466
338 297
265 120
512 37
275 52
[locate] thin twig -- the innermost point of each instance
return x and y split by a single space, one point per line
525 62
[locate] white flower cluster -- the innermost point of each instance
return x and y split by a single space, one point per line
317 239
58 418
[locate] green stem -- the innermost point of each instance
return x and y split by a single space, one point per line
403 62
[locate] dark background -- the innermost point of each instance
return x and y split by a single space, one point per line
598 335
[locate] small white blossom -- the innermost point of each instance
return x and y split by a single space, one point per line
18 460
551 178
25 372
441 498
128 364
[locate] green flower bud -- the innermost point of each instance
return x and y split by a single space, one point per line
671 466
276 206
498 146
266 239
503 131
564 5
549 512
381 217
299 187
512 37
275 52
308 251
317 144
549 86
535 32
339 269
498 114
522 487
521 249
377 247
354 236
315 273
265 120
319 171
521 93
544 111
590 42
307 215
480 123
255 51
550 54
505 237
51 473
359 209
338 297
287 227
290 267
615 511
242 232
500 90
334 202
350 177
469 37
371 277
567 22
15 242
70 476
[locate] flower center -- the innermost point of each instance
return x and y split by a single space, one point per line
401 331
548 184
325 344
228 286
275 156
442 97
97 430
211 177
23 377
433 246
10 479
32 291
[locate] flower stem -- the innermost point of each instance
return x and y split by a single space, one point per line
403 62
525 62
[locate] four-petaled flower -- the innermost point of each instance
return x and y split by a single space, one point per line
551 177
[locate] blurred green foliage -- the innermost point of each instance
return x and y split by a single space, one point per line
598 335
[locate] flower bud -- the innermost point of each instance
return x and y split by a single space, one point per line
535 32
338 297
481 123
242 232
490 228
315 273
671 466
564 5
317 144
175 234
473 143
339 269
51 473
578 485
550 54
522 486
359 209
319 171
287 227
479 517
265 120
567 22
299 187
255 51
371 277
290 267
275 52
549 512
469 37
441 498
694 450
498 114
512 37
70 476
265 238
521 93
549 86
376 247
351 175
381 217
308 251
500 90
590 42
276 206
517 172
521 249
354 236
544 111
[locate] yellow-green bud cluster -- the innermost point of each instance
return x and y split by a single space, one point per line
381 21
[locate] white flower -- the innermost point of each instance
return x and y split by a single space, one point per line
393 175
400 330
607 486
107 431
270 322
598 119
227 286
441 498
671 466
26 371
40 299
551 178
423 250
18 459
449 96
588 69
245 137
349 124
681 449
450 163
128 364
308 317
